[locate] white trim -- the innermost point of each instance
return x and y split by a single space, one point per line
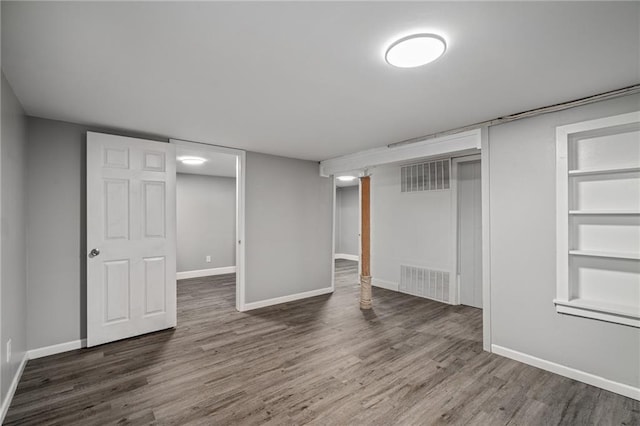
389 285
206 272
383 155
371 233
613 121
572 373
346 256
241 165
6 402
285 299
334 188
587 309
485 181
57 349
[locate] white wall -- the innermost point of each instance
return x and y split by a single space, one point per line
523 253
13 261
288 227
206 221
347 220
410 228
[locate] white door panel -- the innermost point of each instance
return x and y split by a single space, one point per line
131 221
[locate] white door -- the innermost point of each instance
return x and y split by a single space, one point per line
131 237
470 233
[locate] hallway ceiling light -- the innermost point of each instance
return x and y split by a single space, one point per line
192 161
415 50
346 178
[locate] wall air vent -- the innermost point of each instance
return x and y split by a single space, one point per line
430 176
424 282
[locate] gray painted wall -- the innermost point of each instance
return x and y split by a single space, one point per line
13 276
206 221
56 241
347 220
288 227
523 253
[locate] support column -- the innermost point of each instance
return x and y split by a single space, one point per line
365 238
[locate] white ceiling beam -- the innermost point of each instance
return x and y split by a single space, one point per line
448 144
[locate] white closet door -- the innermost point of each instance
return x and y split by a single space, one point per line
470 233
131 237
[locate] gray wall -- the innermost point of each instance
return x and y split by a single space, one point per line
56 240
523 253
347 220
288 227
206 221
13 276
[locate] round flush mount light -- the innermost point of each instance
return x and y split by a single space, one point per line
192 161
346 178
415 50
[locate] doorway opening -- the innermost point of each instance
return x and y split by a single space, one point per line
426 227
466 174
346 245
210 217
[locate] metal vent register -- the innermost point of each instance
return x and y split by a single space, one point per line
425 176
425 283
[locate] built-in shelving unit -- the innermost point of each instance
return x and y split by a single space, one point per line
598 219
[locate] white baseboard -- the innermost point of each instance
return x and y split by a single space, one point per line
12 388
285 299
376 282
572 373
56 349
347 256
206 272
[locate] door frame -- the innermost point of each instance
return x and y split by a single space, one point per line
241 159
334 184
455 223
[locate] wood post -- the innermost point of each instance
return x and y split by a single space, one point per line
365 238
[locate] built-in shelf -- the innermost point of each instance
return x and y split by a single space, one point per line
604 190
593 253
607 171
604 212
622 314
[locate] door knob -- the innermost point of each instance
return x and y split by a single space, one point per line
94 253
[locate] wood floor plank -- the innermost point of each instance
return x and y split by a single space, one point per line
317 361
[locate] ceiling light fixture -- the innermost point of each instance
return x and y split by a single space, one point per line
415 50
192 161
346 178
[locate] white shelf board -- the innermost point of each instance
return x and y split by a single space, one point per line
604 212
603 171
621 314
613 255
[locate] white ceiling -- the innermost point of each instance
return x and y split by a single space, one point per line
308 80
216 164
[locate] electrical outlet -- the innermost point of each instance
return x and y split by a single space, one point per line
208 259
9 350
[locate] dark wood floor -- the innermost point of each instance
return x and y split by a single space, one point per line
319 361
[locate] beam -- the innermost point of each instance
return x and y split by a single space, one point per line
365 238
